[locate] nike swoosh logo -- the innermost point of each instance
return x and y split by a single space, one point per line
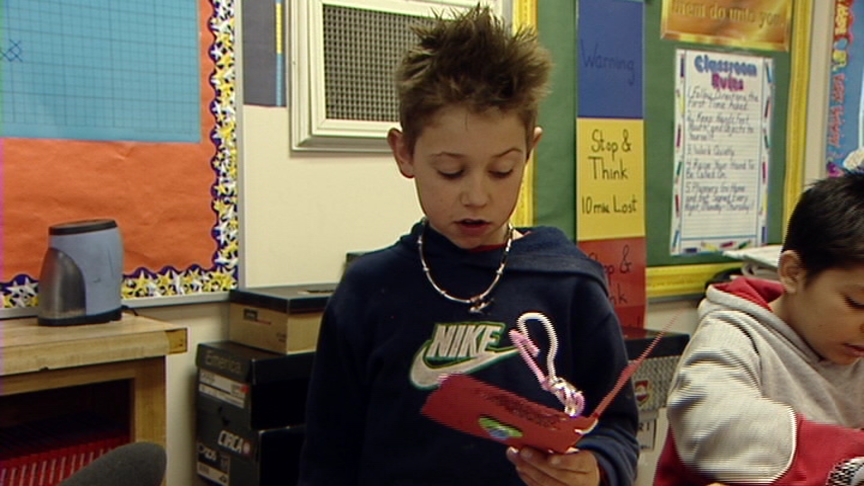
425 376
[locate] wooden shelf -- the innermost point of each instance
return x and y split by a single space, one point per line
132 351
28 347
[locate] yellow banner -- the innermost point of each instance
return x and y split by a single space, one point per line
755 24
610 179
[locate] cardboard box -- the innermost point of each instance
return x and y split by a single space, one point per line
282 319
652 380
235 456
252 388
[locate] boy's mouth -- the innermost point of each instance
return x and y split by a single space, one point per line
473 227
856 349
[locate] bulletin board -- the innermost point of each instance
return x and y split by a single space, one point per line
667 275
122 111
845 137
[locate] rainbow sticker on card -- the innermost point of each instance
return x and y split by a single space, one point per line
498 430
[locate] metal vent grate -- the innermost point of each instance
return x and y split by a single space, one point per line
361 51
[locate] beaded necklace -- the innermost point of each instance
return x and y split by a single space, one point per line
480 301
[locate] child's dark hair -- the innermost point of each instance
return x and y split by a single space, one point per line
826 228
475 61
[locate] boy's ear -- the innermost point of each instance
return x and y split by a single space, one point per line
791 271
396 140
535 139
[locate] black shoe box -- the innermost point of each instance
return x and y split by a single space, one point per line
232 455
250 409
252 388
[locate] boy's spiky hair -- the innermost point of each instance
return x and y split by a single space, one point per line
474 60
826 228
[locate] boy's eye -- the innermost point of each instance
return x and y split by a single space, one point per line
450 174
854 303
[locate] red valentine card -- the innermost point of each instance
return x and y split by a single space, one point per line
471 406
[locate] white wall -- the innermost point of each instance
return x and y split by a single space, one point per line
301 213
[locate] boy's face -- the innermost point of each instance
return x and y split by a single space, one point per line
468 170
828 312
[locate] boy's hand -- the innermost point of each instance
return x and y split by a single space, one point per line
537 468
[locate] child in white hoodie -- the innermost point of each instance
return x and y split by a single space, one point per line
770 389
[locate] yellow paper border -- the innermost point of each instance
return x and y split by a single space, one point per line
796 125
525 14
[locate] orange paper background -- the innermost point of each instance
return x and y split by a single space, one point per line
159 193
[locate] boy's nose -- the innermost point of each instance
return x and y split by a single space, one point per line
474 192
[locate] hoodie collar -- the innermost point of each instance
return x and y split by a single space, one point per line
760 292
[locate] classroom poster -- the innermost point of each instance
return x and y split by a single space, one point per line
750 24
624 262
611 209
610 46
722 141
610 179
610 149
845 138
122 111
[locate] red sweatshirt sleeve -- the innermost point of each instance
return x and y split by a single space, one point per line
820 447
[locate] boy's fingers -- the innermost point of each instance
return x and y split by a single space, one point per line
528 465
535 467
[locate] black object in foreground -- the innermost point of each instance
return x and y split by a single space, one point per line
135 464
